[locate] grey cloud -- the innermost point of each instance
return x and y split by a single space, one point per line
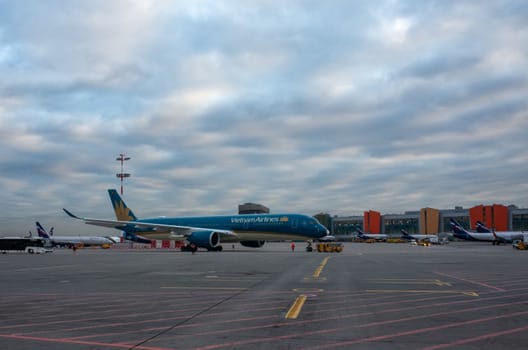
437 65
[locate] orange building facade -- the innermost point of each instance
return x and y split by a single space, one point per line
372 221
493 216
429 221
432 221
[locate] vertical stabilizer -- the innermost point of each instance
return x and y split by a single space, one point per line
122 212
361 234
406 234
482 228
41 231
459 231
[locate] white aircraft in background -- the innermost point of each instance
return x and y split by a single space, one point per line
460 232
500 236
375 236
419 237
68 241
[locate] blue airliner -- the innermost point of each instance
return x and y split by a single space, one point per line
209 231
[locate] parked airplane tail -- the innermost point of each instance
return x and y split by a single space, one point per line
360 233
406 234
482 228
459 231
122 212
41 231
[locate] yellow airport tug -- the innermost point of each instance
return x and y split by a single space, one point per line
330 247
519 244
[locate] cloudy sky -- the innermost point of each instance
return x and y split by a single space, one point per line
303 106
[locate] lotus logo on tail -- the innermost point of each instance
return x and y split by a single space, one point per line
122 212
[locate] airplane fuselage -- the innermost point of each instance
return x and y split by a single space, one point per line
249 227
86 240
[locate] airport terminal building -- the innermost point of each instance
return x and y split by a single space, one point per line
427 220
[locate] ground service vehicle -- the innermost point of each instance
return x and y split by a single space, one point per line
28 245
522 242
519 244
332 247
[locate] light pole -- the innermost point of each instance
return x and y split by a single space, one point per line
122 158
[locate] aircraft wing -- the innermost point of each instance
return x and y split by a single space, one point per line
144 228
507 237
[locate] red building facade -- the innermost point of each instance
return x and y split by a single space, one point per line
372 221
493 216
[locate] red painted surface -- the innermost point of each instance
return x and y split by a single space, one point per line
372 221
493 216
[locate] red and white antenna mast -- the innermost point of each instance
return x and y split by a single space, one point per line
122 158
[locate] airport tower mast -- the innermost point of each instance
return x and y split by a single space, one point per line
122 158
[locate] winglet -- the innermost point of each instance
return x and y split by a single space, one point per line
494 234
71 215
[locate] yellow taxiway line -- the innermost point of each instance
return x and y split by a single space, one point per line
296 307
320 268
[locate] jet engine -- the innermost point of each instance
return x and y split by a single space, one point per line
205 239
252 244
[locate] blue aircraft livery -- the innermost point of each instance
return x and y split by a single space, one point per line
209 231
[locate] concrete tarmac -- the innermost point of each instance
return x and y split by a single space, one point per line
371 296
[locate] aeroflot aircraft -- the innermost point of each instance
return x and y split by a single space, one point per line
209 232
73 240
500 236
419 237
460 232
376 236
